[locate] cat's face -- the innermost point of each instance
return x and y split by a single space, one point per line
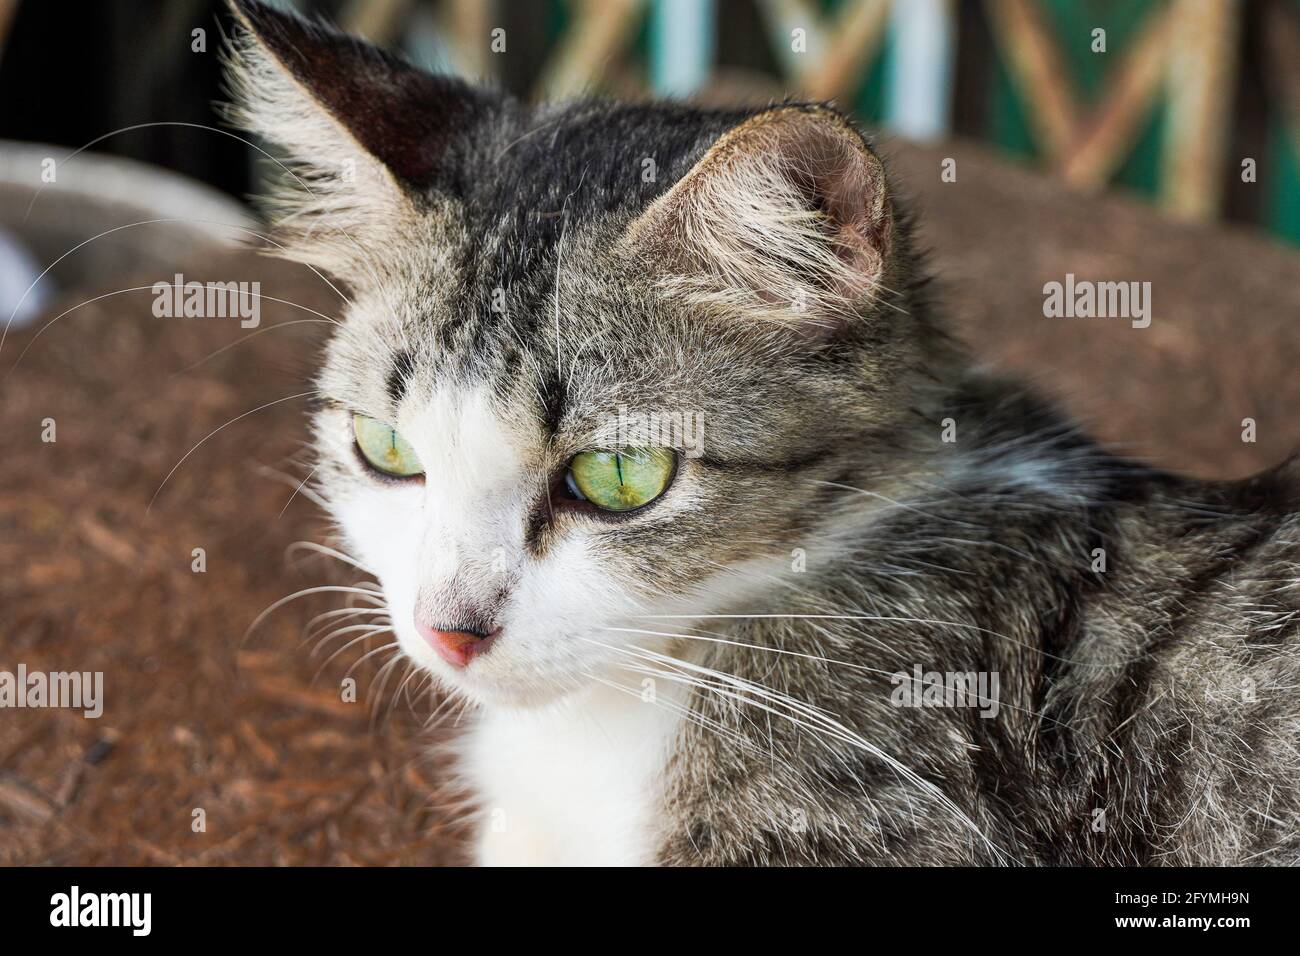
571 407
493 534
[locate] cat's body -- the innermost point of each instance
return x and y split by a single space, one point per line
721 674
1148 712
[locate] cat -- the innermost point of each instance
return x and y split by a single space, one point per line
886 608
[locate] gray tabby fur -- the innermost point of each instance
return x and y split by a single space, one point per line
1147 713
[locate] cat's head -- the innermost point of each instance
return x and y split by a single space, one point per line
601 363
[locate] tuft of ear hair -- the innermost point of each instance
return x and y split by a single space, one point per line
787 215
363 130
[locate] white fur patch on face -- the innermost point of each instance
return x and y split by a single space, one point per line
455 546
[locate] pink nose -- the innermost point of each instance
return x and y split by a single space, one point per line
457 648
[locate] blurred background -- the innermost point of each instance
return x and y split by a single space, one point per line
1167 101
1117 140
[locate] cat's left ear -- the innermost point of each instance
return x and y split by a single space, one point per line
363 130
786 215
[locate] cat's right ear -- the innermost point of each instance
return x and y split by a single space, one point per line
362 129
787 216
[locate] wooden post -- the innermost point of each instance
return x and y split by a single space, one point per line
854 39
836 53
1038 71
1099 147
600 30
469 26
1202 65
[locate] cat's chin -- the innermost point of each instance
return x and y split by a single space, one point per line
495 693
494 683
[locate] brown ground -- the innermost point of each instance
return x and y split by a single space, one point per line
92 579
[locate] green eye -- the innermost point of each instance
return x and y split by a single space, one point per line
621 480
384 449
